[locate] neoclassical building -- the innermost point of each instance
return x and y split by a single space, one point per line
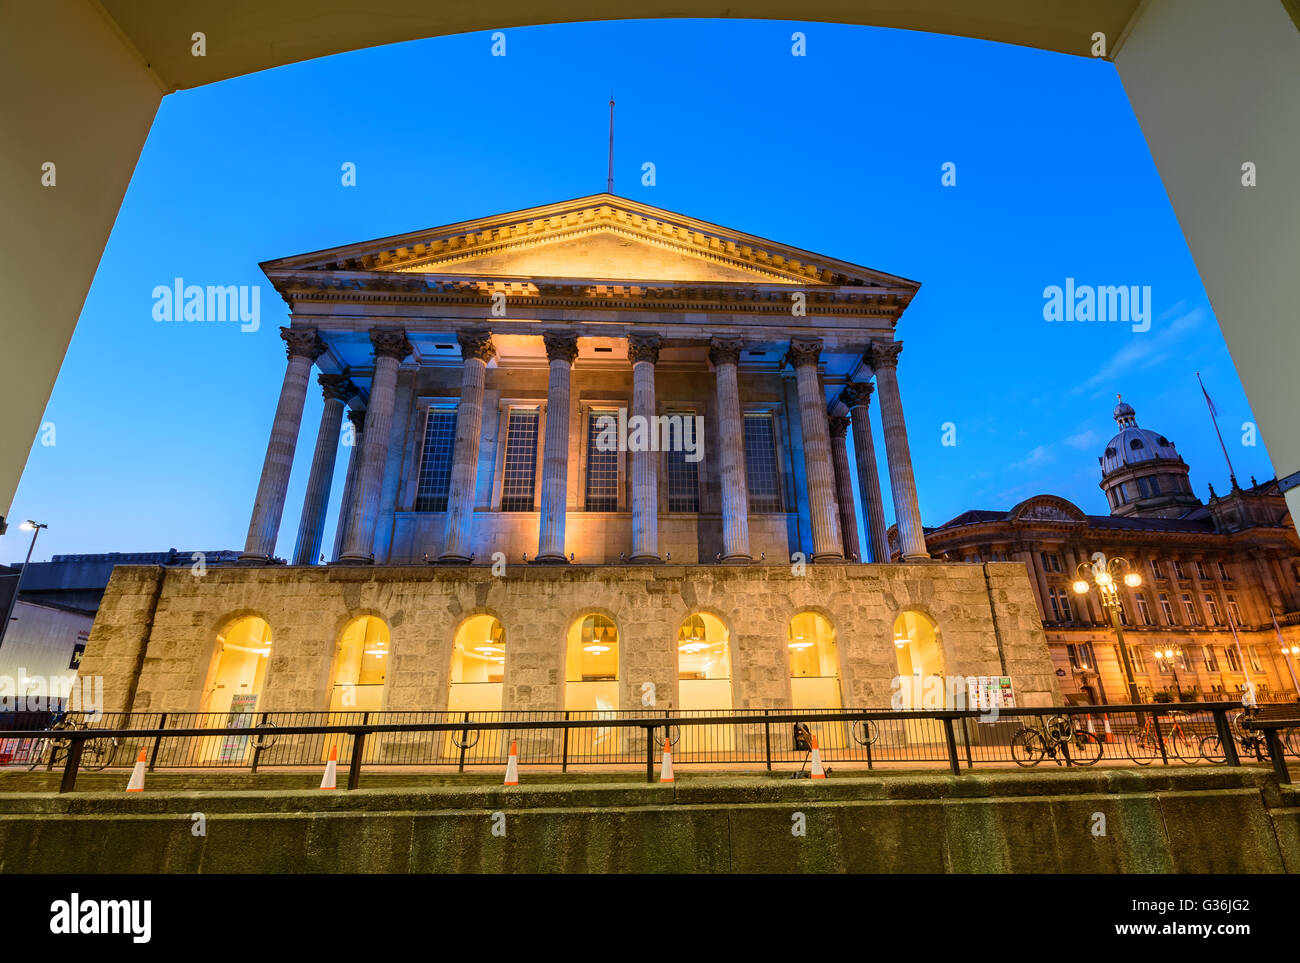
495 550
1207 568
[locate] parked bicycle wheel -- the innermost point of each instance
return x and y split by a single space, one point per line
1186 747
98 753
40 757
1291 741
1141 747
865 732
1085 748
1212 749
1028 747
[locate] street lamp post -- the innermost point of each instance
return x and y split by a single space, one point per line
35 529
1170 656
1105 575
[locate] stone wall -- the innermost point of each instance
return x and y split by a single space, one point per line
986 616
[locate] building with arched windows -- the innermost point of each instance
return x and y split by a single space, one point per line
600 457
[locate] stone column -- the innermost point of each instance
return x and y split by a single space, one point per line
725 355
311 527
561 351
643 352
304 347
828 543
358 418
882 358
390 348
476 350
844 488
857 398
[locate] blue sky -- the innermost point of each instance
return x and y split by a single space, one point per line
160 429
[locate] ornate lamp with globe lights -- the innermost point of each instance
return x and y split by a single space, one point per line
1106 575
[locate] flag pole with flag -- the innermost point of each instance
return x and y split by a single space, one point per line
1214 417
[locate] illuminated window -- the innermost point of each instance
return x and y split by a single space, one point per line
435 460
919 660
814 664
238 667
478 665
360 666
520 475
704 679
591 665
683 475
760 464
602 466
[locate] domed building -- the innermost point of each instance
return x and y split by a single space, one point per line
1142 473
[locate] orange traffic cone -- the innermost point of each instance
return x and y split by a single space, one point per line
1105 724
331 780
512 765
1091 728
666 770
137 774
817 771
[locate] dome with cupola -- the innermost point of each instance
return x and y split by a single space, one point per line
1142 473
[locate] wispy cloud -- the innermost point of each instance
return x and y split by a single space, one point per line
1040 455
1143 350
1084 440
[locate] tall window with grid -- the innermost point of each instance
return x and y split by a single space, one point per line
602 466
683 475
760 464
520 475
435 460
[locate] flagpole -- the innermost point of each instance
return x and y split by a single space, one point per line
1210 405
609 179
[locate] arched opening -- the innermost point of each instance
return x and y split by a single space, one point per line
704 680
478 666
591 665
815 673
920 662
360 666
239 666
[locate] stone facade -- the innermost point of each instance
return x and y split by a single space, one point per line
156 637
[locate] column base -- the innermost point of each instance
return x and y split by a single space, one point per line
827 557
452 560
255 560
917 558
736 559
354 560
549 560
646 560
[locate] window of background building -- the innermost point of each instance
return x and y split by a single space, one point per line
1201 573
683 475
1178 570
1156 570
1230 657
1051 561
1189 609
520 473
1234 612
435 460
1224 574
1060 601
1078 656
760 464
1167 610
1253 654
1212 607
1134 656
1211 663
602 466
1144 612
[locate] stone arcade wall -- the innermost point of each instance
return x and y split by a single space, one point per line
155 635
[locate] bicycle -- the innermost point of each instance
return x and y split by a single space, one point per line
1250 742
96 753
1032 744
1143 745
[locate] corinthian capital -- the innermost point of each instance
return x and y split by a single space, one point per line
643 347
883 354
560 346
804 351
476 344
303 343
839 426
857 394
336 387
725 350
389 344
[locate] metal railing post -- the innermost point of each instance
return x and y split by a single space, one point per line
157 742
69 780
464 736
965 738
564 747
649 754
358 747
1160 736
953 762
1226 740
257 748
767 739
1277 753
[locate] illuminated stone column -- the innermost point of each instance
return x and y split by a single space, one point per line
828 544
857 398
561 351
358 418
476 350
311 527
303 347
844 488
882 358
643 352
358 544
725 355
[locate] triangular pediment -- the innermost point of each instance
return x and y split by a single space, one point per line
602 237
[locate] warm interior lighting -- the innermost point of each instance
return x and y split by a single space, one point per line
1081 587
800 643
595 648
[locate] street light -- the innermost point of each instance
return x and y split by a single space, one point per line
1168 656
1104 576
35 529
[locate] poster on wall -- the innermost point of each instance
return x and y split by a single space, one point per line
989 692
240 717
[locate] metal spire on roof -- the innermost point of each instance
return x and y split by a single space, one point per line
609 179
